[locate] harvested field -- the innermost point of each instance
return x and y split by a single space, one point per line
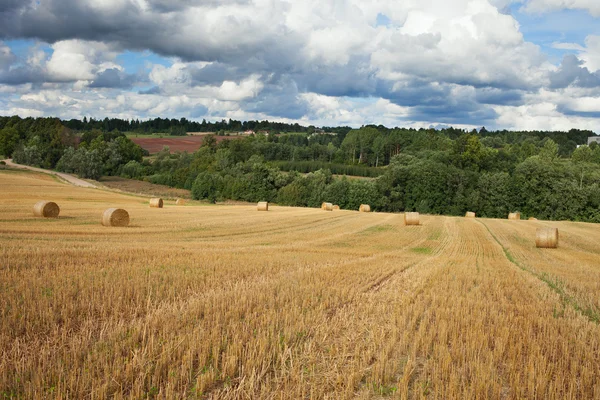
144 188
225 302
175 143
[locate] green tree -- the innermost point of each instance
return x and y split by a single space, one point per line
9 138
207 186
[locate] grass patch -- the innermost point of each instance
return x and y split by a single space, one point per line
421 250
378 228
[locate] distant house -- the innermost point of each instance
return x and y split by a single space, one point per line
593 139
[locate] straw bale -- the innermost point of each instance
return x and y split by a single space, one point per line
115 217
180 202
514 216
470 214
156 202
364 208
327 206
46 209
263 206
336 207
411 218
546 238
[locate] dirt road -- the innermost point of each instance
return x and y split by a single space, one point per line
73 180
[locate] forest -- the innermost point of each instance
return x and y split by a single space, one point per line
547 175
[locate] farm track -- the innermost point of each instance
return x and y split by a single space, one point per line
573 272
227 302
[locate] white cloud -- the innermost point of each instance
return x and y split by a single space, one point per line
79 60
591 54
431 62
568 46
543 6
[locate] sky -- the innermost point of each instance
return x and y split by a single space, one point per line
502 64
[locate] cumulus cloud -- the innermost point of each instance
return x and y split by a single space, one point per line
572 73
461 62
542 6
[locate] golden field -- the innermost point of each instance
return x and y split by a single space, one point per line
203 301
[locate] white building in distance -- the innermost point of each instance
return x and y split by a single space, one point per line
593 139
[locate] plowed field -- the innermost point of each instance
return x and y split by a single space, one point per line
179 143
203 301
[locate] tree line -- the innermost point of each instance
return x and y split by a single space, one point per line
48 143
548 175
180 127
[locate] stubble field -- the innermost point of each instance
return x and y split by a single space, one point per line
205 301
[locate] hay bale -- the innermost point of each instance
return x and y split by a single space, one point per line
411 218
156 202
336 207
546 238
533 219
514 216
263 206
470 214
46 209
364 208
115 217
180 202
327 206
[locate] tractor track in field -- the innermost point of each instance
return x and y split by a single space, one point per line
590 313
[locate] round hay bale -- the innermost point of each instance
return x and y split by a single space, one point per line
533 219
180 202
46 209
156 202
470 214
411 218
115 217
336 207
364 208
546 238
263 206
514 216
327 206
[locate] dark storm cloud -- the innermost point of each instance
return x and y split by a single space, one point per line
198 112
499 97
572 73
586 114
23 74
128 27
354 79
217 73
113 78
279 98
455 114
10 5
178 5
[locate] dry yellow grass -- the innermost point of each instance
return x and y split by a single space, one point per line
223 302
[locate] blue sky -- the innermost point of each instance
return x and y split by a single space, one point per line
527 64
